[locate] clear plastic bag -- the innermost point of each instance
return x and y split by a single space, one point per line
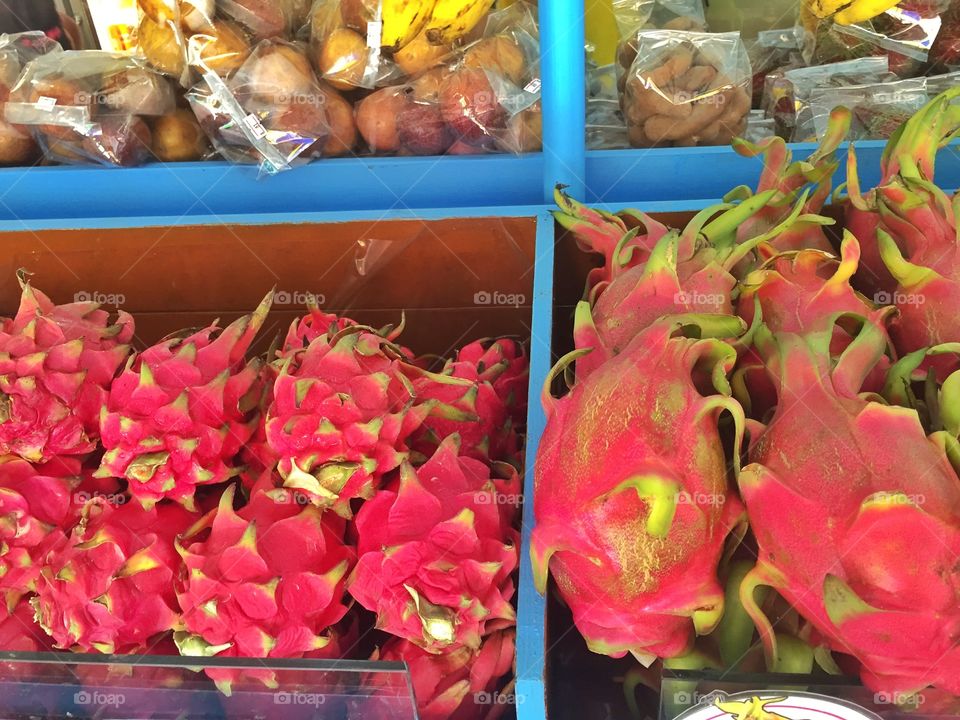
187 38
272 111
17 145
359 44
89 106
687 88
759 127
903 35
485 98
606 128
878 109
787 97
634 15
772 51
345 45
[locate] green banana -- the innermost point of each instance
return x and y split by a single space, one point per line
453 19
403 20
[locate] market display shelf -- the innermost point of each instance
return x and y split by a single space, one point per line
218 188
368 262
706 173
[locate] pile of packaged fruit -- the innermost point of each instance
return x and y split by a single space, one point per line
675 73
280 82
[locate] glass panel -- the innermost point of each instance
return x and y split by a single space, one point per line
59 685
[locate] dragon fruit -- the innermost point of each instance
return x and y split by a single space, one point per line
437 550
341 415
798 292
598 231
36 504
915 146
928 284
56 364
108 587
481 396
267 581
19 632
462 684
787 180
826 545
635 448
179 413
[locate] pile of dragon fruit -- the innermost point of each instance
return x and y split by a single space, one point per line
185 498
760 435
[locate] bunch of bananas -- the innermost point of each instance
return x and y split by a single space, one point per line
845 12
443 21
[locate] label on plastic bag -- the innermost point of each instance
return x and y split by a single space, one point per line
46 103
374 33
533 86
255 126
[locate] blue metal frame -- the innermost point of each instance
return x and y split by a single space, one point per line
707 173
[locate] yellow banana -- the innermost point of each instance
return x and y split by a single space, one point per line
845 12
453 19
863 10
403 20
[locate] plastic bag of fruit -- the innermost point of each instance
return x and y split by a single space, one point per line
186 38
789 98
272 111
634 15
346 44
485 98
376 43
773 51
687 88
878 109
17 145
904 34
89 106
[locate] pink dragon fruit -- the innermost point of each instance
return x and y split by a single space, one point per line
462 684
598 231
36 505
56 364
826 545
108 587
481 396
341 415
688 272
915 145
437 550
798 292
788 179
19 632
635 449
265 582
179 413
928 284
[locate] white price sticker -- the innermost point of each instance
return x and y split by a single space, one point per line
46 103
256 127
374 33
533 86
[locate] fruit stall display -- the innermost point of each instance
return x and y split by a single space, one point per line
679 73
757 423
294 484
279 83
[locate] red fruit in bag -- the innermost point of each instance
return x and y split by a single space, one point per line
470 107
421 130
123 141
